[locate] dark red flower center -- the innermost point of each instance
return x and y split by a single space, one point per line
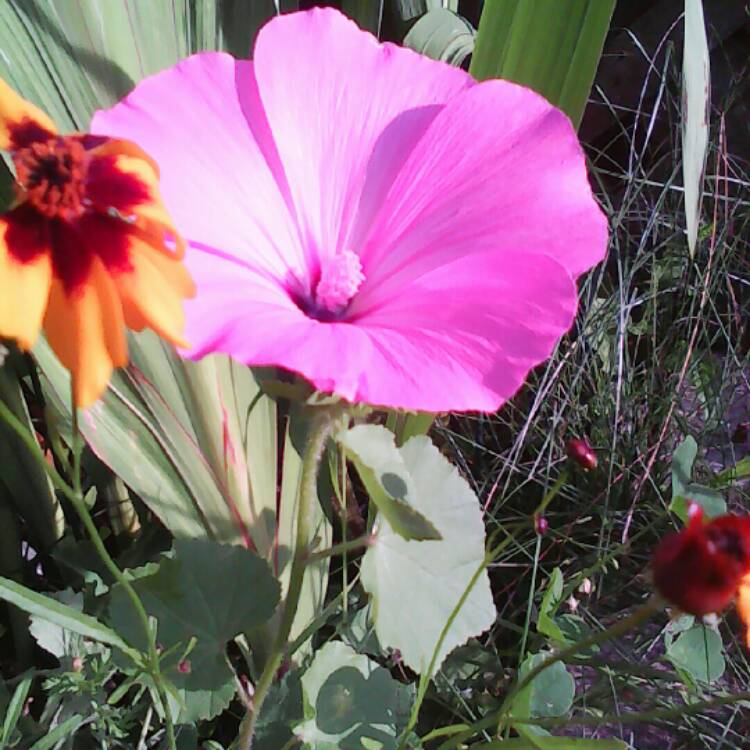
52 174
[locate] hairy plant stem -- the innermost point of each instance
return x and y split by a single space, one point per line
322 426
500 718
75 495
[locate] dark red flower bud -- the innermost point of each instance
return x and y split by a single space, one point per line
184 667
699 569
541 525
580 451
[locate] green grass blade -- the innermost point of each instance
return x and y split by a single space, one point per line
60 614
554 51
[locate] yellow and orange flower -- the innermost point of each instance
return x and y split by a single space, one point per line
87 249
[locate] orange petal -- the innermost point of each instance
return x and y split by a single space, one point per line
743 605
86 330
24 290
15 113
151 215
152 293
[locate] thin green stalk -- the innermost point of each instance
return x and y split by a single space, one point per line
320 431
425 678
636 717
75 496
500 718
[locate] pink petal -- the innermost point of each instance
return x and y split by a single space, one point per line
220 176
463 338
329 91
497 168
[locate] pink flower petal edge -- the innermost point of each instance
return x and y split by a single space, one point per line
467 205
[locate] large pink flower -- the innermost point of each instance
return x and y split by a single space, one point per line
367 217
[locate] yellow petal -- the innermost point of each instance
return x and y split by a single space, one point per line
16 112
24 284
153 291
86 330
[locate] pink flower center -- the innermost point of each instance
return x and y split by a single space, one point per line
340 279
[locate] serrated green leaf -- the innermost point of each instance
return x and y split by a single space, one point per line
696 83
442 35
349 698
550 693
555 51
66 617
432 576
699 652
207 593
381 468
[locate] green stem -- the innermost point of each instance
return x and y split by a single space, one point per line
342 548
426 677
82 510
75 496
636 717
308 496
500 718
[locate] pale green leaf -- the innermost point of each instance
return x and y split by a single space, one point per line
699 652
350 699
550 693
554 51
696 83
442 35
54 638
432 576
381 467
711 501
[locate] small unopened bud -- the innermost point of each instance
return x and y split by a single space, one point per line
77 664
580 451
572 603
185 667
541 525
586 586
